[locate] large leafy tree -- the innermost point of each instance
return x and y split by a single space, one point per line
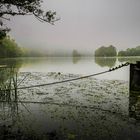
10 8
103 51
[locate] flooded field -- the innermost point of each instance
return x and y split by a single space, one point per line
91 108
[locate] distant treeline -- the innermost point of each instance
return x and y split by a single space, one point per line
28 52
111 51
9 48
130 52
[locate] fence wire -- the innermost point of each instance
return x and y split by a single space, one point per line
69 80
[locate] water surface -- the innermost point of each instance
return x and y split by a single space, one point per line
86 109
81 65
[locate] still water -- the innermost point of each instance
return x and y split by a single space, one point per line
89 109
71 65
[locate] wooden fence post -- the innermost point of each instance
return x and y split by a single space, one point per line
135 78
134 91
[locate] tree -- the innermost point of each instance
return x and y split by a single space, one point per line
23 7
130 52
9 48
106 51
75 53
121 53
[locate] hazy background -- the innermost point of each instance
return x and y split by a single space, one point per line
85 25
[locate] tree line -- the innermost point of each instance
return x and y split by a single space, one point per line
9 48
111 51
130 52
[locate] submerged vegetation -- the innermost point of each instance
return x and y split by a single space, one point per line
76 110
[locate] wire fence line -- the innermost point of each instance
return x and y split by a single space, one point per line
68 80
64 81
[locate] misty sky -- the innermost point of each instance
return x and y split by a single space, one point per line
84 25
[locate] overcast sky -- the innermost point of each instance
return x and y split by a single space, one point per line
84 25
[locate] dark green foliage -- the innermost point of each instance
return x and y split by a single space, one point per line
130 52
106 51
121 53
9 48
2 34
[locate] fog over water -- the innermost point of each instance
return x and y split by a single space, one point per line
85 25
48 98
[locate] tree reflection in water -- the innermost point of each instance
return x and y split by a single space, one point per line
21 121
76 59
106 62
9 115
128 59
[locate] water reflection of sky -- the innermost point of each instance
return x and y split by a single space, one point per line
117 110
82 66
